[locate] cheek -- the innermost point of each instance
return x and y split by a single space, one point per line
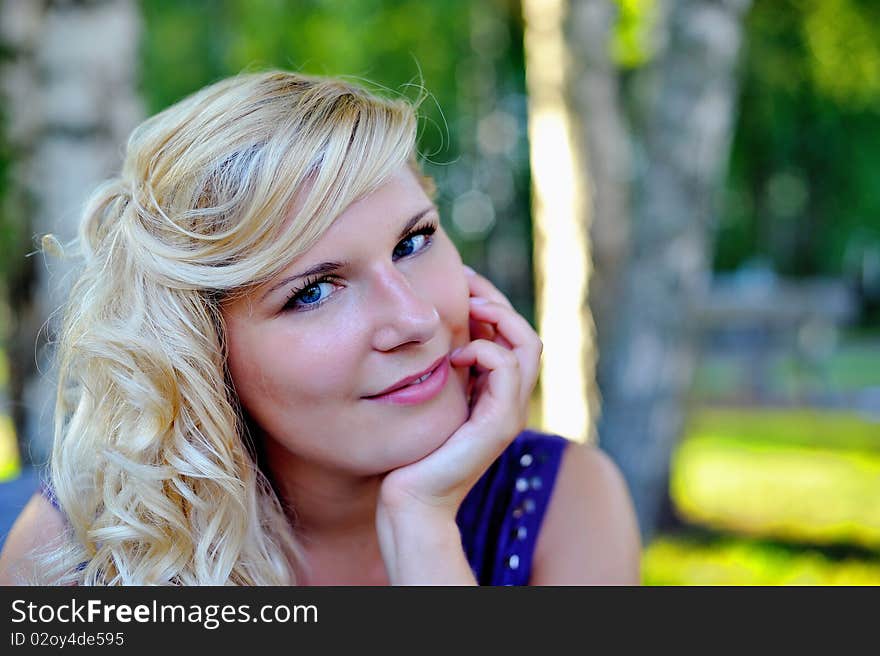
284 369
454 311
451 301
451 294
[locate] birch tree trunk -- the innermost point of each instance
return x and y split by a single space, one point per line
70 86
602 137
684 143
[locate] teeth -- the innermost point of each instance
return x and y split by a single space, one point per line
418 380
421 380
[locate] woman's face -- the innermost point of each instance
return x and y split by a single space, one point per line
309 353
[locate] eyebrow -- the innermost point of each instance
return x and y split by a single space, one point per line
331 266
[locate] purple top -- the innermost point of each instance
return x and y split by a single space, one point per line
501 516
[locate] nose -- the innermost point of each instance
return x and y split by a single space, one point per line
402 314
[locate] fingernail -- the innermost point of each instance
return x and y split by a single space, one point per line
478 300
469 271
455 352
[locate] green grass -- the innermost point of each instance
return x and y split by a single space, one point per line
821 496
683 560
801 427
855 365
849 370
795 475
10 464
782 496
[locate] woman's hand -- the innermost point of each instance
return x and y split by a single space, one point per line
419 501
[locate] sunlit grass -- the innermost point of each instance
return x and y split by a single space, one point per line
672 560
800 475
774 481
805 494
10 464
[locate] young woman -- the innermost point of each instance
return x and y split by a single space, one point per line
274 369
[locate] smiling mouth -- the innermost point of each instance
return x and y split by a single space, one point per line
420 389
422 379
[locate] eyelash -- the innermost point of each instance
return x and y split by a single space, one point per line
427 229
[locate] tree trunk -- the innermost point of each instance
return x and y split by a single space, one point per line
561 220
685 146
70 85
603 138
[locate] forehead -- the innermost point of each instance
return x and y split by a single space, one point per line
371 218
367 224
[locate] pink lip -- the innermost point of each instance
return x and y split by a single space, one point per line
424 391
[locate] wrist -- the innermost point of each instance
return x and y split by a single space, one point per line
408 502
417 525
421 547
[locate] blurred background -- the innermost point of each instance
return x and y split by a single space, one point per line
681 195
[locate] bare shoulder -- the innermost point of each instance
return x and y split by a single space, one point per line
38 524
590 534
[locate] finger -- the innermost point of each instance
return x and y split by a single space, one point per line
507 322
480 286
481 330
511 327
498 407
484 356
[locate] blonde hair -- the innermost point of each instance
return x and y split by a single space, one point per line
151 462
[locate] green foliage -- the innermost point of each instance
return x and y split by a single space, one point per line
400 46
632 44
842 37
802 190
465 59
11 228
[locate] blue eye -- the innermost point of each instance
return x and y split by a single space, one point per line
317 290
410 245
310 295
414 242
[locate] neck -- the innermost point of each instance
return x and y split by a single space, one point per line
334 516
324 503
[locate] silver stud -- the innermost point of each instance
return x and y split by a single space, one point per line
522 484
521 533
536 482
513 561
529 506
526 459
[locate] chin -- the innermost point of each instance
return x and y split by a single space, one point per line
424 434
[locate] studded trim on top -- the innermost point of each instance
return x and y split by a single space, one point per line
501 517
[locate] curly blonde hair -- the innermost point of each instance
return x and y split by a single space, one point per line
153 464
